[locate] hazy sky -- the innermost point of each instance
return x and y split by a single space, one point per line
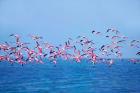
56 20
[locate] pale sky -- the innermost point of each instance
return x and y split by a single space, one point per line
56 20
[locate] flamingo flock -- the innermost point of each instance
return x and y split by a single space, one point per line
76 49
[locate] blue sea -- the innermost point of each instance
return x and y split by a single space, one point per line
70 77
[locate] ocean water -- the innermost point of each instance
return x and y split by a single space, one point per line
70 77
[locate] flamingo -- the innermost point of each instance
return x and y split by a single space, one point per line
76 49
138 53
110 62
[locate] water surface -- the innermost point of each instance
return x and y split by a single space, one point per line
70 77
